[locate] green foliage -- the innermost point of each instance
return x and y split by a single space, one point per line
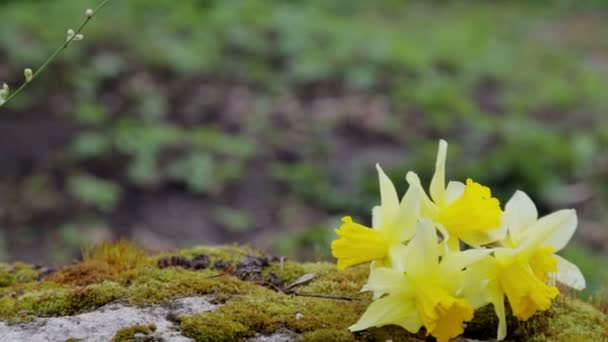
305 96
310 243
234 220
100 193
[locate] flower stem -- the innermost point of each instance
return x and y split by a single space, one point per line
52 57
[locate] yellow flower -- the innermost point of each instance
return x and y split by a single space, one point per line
393 224
466 211
426 293
358 244
524 269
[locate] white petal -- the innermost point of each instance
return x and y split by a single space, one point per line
454 262
423 250
520 213
496 297
409 212
554 230
384 280
427 207
398 310
377 217
569 274
437 188
482 287
477 277
388 196
453 191
560 236
477 239
397 254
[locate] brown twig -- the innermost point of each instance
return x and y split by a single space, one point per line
349 299
216 275
289 291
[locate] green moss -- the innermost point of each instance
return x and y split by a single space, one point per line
337 335
59 301
248 307
264 311
570 320
158 285
128 334
289 271
16 273
230 253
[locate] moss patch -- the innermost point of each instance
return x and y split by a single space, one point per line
128 334
86 273
117 272
16 273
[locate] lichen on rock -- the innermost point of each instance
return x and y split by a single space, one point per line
249 295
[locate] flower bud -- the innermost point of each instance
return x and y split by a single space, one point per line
29 74
79 37
70 34
4 93
89 13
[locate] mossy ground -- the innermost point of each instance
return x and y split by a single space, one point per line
121 272
129 333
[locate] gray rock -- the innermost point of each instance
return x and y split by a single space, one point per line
103 323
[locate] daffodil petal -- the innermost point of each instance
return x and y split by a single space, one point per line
453 191
437 188
478 277
409 212
377 217
393 309
569 274
494 235
388 196
384 280
476 239
520 213
554 230
427 207
397 254
482 287
559 237
497 298
455 262
423 250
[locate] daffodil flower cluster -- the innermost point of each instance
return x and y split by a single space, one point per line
436 258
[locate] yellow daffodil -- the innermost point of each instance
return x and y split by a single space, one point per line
393 223
426 293
466 211
524 268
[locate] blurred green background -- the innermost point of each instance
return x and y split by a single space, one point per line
187 122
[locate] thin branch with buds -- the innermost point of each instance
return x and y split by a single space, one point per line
6 96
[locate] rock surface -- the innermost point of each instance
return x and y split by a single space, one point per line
118 293
103 324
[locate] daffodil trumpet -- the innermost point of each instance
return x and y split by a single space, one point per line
393 223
